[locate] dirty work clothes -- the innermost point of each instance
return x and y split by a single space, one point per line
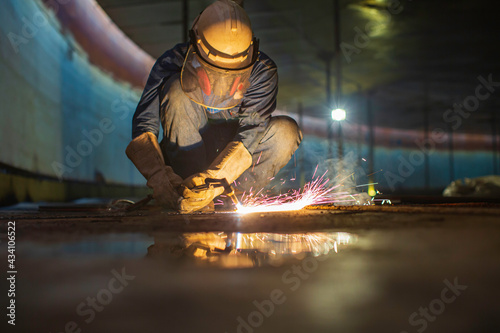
253 112
193 138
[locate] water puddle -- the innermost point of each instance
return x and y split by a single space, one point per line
218 249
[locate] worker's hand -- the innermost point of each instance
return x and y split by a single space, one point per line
164 185
174 178
195 199
228 165
144 151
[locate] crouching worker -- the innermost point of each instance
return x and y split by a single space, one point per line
213 97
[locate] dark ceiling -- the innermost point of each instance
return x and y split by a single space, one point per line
425 55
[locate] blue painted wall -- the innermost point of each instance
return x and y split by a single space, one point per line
395 169
60 115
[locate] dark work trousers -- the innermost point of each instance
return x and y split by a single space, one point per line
192 138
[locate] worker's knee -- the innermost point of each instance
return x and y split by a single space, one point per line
281 140
285 132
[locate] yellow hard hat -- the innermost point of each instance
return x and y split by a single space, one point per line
222 36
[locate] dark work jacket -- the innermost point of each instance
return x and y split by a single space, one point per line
253 112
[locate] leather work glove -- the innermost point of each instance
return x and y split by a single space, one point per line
144 151
229 165
196 200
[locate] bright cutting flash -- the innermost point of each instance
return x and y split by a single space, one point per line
338 114
314 193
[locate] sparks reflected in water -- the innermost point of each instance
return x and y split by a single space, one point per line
245 250
314 192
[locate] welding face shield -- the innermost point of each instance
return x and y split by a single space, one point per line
222 52
212 86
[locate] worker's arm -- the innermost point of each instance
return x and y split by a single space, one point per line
147 113
144 150
258 103
147 157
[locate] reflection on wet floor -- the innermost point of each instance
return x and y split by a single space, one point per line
218 249
108 245
214 273
364 281
237 250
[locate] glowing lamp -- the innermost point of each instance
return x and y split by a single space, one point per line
338 114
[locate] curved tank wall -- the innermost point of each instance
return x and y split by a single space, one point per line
398 157
63 118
